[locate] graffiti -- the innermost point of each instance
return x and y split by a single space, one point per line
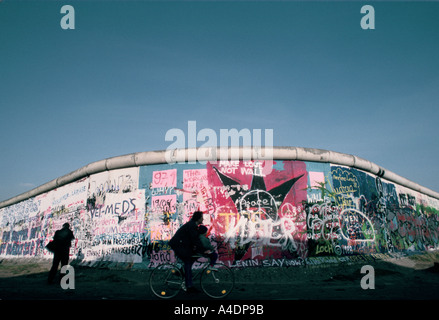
197 195
116 181
118 208
259 213
117 228
262 209
323 221
411 230
164 178
164 204
257 198
355 226
263 232
407 200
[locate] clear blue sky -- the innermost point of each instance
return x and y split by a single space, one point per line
131 71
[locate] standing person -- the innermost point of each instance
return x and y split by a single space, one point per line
186 243
63 240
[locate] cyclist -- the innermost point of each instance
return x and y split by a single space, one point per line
186 243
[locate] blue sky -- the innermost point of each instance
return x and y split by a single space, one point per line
132 70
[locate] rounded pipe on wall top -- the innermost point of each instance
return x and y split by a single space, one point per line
218 154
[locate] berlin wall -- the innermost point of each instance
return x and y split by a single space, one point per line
305 203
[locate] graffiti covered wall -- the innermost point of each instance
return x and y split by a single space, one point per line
258 213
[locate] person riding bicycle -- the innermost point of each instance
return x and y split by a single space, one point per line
186 243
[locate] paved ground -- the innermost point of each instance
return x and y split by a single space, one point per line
410 278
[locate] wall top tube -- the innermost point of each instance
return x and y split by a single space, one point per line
216 154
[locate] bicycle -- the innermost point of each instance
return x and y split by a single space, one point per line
217 281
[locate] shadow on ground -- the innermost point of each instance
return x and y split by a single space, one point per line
407 278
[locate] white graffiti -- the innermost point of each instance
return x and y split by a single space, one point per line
323 221
356 226
281 233
259 201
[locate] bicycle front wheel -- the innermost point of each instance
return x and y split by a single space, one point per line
165 281
217 281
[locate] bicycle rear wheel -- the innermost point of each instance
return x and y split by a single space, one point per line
165 281
217 281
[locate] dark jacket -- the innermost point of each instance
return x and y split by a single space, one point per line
186 240
63 238
206 243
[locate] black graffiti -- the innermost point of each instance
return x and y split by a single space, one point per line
21 248
118 241
258 195
130 250
120 209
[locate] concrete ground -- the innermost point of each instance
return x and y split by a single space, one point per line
409 278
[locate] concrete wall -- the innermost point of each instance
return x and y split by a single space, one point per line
306 203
